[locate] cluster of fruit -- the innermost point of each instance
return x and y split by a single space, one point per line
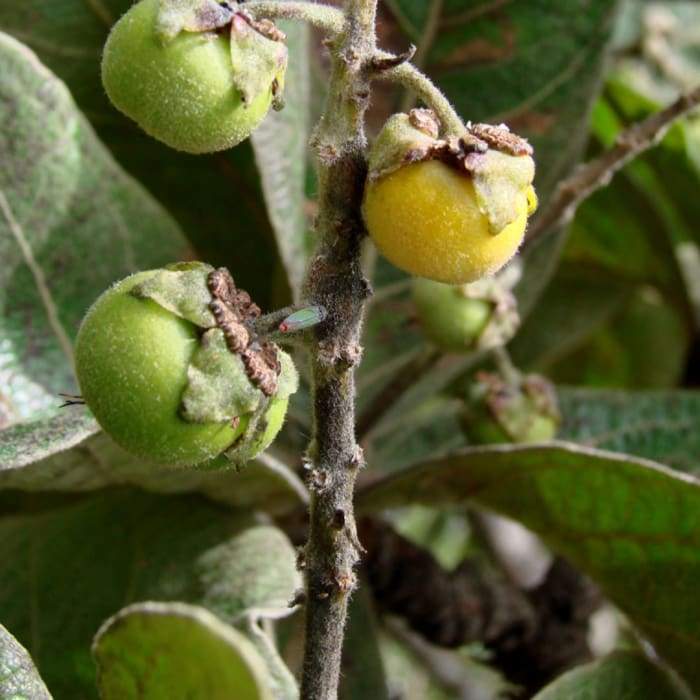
168 360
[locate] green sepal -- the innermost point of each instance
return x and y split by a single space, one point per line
504 319
256 60
218 388
288 380
500 183
398 143
181 289
175 16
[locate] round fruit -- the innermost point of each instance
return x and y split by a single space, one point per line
450 319
426 219
179 90
131 359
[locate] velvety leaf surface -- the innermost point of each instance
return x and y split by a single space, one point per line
622 676
253 574
644 346
66 569
577 302
632 525
68 453
65 204
662 425
172 651
280 147
19 679
216 198
26 443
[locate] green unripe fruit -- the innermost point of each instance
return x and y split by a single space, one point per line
155 371
181 90
131 359
449 318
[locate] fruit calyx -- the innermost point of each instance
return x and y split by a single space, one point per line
233 311
258 47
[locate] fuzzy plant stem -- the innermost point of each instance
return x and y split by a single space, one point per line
335 281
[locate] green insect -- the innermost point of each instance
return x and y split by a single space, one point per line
304 318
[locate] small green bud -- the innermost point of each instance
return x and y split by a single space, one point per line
467 317
521 410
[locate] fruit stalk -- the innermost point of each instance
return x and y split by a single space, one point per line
335 281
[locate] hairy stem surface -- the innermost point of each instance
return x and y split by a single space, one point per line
335 281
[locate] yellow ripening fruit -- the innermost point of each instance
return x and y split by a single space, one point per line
426 219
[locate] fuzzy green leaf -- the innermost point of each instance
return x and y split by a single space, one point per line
658 425
172 651
622 676
19 679
64 205
216 198
632 525
68 453
69 567
253 574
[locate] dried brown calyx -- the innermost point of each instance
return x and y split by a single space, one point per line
464 152
414 137
233 311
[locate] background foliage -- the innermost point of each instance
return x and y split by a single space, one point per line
611 310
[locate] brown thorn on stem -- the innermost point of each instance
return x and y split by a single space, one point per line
379 63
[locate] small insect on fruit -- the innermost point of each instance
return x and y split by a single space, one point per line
302 319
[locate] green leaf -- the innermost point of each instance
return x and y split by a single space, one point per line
64 205
658 425
26 443
645 346
19 679
631 524
66 569
622 676
68 453
280 151
576 303
253 574
216 198
172 651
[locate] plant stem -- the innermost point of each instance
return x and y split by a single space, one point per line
335 281
331 21
410 77
325 17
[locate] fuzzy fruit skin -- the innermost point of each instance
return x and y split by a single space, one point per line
131 358
451 320
425 219
179 91
275 419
